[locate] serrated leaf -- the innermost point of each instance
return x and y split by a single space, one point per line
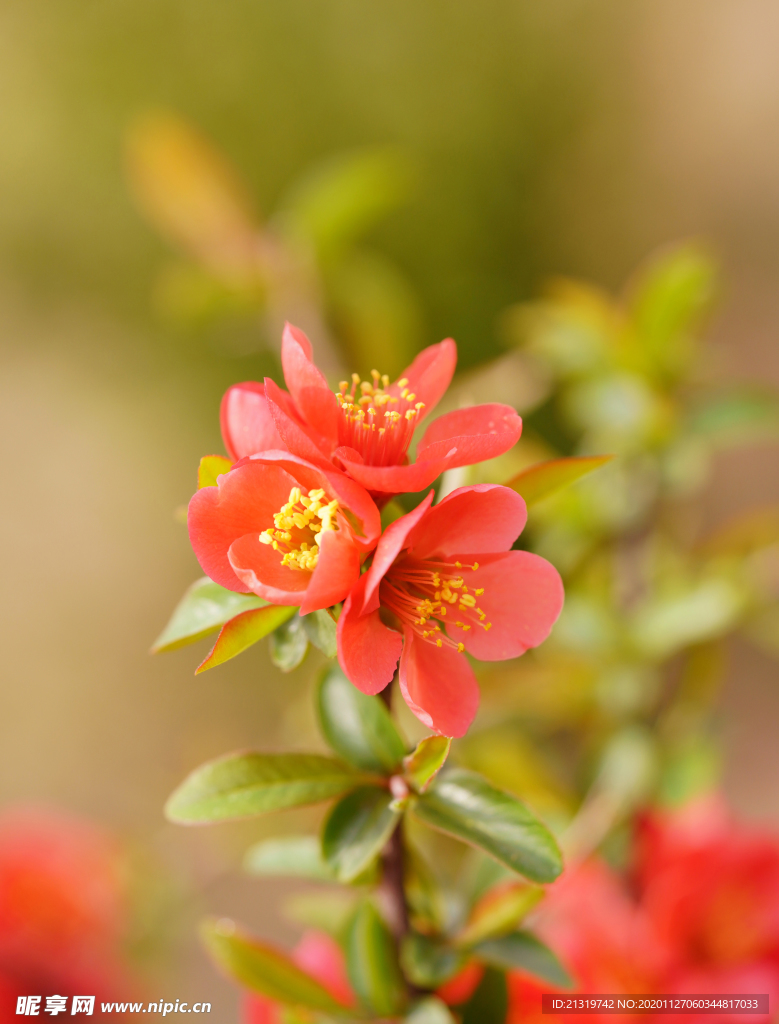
263 968
499 912
430 1011
421 767
202 610
243 631
489 1003
372 963
356 830
356 726
289 857
320 629
246 784
521 951
466 806
288 644
547 478
212 466
429 962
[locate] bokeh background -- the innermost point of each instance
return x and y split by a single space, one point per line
568 137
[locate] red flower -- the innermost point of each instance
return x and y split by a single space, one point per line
321 957
366 427
284 529
63 913
444 581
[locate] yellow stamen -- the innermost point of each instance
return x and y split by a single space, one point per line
307 515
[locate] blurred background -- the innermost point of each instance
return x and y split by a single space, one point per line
496 144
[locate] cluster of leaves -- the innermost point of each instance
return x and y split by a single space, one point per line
308 258
618 707
376 786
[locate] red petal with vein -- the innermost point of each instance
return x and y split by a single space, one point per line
337 570
247 421
244 502
523 596
299 439
392 542
438 685
368 651
315 402
484 518
478 433
392 479
259 568
430 374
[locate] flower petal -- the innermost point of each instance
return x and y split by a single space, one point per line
438 685
388 480
478 433
247 421
315 402
243 503
337 570
368 651
430 375
359 508
481 519
523 596
297 437
259 568
392 542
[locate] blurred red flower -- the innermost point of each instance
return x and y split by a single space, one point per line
698 914
447 566
367 426
62 910
322 958
284 529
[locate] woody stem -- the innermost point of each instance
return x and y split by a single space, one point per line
393 857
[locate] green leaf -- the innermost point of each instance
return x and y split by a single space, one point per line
430 1011
263 968
522 951
246 784
490 1002
288 856
328 911
212 466
243 631
737 417
499 912
356 726
342 197
356 830
665 624
429 962
421 767
465 805
671 296
288 644
547 478
202 610
320 629
372 963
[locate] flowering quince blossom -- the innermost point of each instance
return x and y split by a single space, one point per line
444 581
365 428
284 529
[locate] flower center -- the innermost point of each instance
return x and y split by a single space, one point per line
374 422
299 526
425 594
